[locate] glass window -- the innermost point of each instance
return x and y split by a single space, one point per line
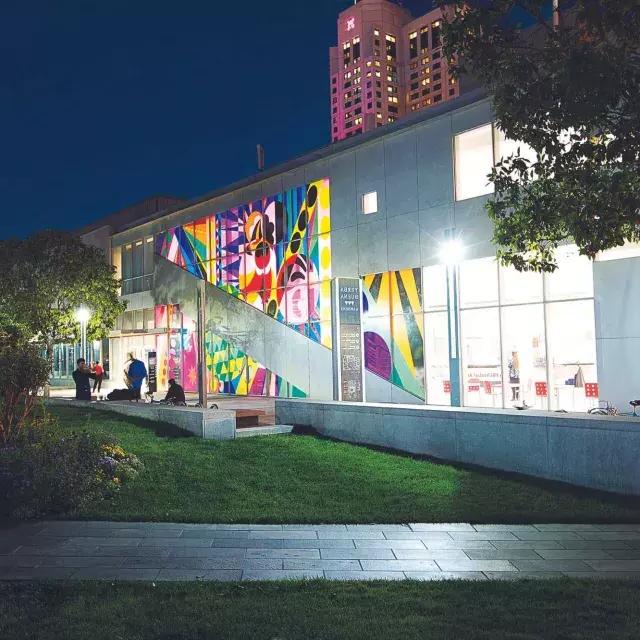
148 256
572 355
370 202
572 279
437 358
149 319
116 260
127 265
473 152
138 259
479 283
435 287
517 287
480 353
505 147
524 361
628 250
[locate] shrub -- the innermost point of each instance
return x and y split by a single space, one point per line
22 371
44 471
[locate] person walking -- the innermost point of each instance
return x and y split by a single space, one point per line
82 376
99 373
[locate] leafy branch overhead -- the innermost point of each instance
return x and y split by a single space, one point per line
571 92
49 276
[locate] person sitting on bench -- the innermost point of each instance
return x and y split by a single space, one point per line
175 394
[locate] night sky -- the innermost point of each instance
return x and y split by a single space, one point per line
105 103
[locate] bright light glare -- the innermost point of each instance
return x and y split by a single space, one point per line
83 314
451 251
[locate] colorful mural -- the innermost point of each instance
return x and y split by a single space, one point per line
234 372
274 254
393 327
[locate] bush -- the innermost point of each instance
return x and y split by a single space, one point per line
44 471
22 371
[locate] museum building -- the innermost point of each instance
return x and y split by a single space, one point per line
396 215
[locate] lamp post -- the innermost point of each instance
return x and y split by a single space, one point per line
451 253
82 316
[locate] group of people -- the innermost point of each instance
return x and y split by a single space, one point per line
135 374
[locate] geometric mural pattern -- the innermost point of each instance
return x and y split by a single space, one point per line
393 328
273 253
233 372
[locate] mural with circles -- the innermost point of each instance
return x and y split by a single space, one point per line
274 254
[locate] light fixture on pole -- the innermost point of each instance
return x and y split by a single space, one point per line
82 316
451 252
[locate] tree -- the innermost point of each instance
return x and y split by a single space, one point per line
48 277
571 92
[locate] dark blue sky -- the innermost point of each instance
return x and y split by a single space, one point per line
105 103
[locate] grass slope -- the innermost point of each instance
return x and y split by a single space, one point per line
304 479
490 611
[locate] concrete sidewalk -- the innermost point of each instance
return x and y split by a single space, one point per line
154 551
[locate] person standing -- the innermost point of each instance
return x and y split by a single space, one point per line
514 376
99 373
136 373
82 376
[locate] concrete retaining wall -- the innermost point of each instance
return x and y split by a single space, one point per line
599 452
210 424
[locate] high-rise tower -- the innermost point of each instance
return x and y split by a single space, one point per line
386 64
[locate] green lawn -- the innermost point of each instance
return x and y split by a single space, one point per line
492 611
304 479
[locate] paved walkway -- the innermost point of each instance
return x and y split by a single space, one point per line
146 551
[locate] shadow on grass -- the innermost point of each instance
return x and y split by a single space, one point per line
469 484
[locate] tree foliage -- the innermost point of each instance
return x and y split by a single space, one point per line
571 92
49 276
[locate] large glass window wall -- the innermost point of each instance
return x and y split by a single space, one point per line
528 339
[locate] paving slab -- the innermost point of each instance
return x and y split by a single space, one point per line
399 565
430 554
597 544
551 565
502 554
477 565
574 554
357 554
283 553
522 544
441 526
305 543
390 544
614 565
324 565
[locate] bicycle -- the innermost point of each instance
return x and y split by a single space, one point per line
604 408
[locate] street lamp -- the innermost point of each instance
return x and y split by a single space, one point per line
451 252
82 316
